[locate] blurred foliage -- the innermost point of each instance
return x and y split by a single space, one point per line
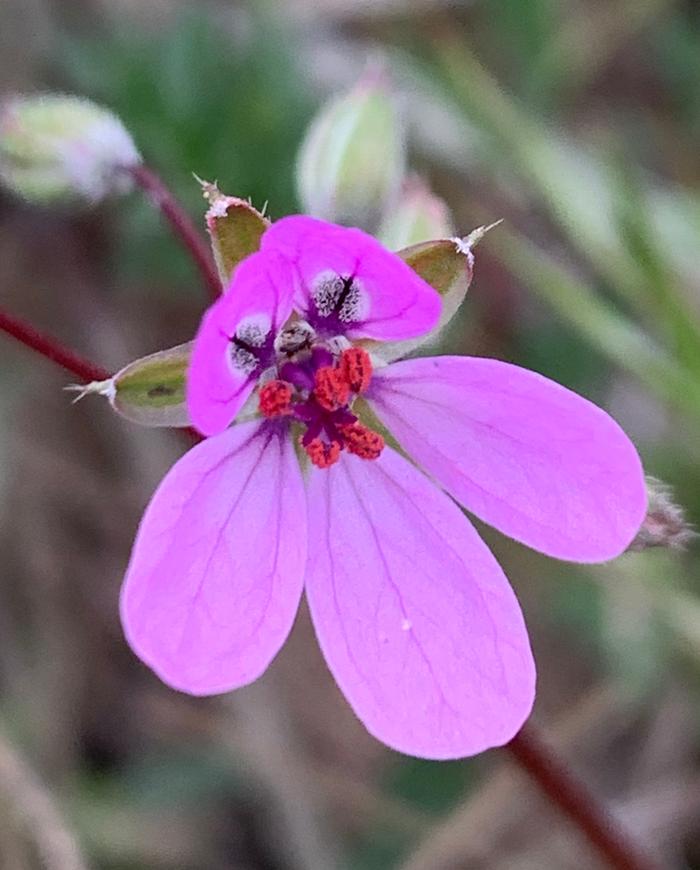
197 99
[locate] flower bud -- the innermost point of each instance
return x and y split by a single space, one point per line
352 161
55 148
419 216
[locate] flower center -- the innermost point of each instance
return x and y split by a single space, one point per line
318 392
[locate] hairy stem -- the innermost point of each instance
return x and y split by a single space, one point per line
51 349
181 225
574 799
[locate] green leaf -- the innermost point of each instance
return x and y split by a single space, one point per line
235 228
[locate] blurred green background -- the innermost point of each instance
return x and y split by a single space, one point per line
576 121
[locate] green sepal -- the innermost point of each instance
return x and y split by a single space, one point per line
151 390
447 265
234 227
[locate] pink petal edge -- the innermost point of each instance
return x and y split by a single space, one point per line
262 288
216 572
400 304
526 455
415 618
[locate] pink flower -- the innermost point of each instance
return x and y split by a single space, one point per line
414 616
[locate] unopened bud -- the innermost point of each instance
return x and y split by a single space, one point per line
665 524
419 216
352 161
55 148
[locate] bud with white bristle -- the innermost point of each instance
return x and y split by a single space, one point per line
56 148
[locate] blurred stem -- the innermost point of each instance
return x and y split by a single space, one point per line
599 323
35 811
181 224
48 347
267 744
574 799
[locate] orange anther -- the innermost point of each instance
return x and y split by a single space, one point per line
355 366
330 389
275 399
361 441
323 454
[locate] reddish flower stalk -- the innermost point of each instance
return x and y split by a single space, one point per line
574 799
51 349
529 751
180 223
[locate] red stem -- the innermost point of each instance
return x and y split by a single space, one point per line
575 800
181 224
51 349
552 775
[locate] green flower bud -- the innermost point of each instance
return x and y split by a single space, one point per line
419 216
352 161
55 148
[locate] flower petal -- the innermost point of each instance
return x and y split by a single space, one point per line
216 572
414 616
389 301
540 463
235 340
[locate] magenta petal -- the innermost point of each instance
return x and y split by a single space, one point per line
416 619
216 572
540 463
393 302
221 375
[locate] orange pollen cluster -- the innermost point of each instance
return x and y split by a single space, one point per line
275 399
331 389
355 367
361 441
321 453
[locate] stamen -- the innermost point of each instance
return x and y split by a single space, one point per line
322 454
361 441
355 366
275 399
331 390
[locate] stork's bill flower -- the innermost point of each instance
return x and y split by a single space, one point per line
329 469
